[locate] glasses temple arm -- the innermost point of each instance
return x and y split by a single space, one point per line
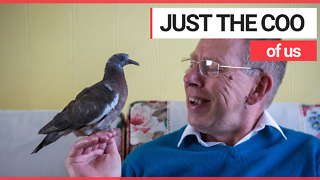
236 67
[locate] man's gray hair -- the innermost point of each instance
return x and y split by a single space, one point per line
275 68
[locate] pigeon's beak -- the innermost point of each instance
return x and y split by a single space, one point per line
132 62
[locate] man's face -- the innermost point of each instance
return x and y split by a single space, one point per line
216 104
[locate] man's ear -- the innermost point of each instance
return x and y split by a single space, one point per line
264 85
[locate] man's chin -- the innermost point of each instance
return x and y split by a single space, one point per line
197 123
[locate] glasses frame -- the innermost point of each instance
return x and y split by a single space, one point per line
223 66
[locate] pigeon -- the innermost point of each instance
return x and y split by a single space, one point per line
94 108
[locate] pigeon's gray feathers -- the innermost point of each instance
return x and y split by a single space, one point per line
85 109
94 108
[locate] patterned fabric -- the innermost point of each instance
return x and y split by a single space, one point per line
147 120
311 115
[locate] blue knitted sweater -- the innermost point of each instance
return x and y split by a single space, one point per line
265 154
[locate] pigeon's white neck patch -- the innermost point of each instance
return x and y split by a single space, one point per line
119 67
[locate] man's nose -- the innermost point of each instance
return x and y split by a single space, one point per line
193 77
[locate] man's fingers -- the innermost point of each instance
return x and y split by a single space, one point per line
111 147
104 138
108 138
97 140
84 158
95 147
102 134
82 145
102 146
87 150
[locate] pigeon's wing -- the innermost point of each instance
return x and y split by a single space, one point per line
94 105
83 92
90 106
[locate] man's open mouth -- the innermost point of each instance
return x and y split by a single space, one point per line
197 101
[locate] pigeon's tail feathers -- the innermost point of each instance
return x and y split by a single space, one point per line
50 138
47 130
58 123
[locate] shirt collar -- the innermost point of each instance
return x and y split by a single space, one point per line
265 120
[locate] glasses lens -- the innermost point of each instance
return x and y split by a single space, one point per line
209 68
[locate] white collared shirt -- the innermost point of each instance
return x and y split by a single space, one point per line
265 120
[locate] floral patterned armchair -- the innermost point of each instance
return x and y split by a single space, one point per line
146 121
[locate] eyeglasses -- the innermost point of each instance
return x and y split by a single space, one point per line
209 68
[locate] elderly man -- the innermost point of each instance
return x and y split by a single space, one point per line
229 133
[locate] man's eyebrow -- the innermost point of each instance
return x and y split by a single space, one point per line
213 58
